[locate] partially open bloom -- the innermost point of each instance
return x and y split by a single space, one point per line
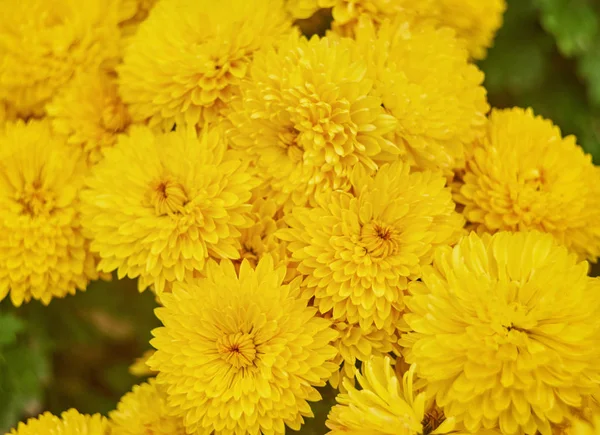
70 422
524 175
241 354
506 331
144 410
385 405
308 117
89 113
43 253
425 80
359 249
44 43
186 61
159 205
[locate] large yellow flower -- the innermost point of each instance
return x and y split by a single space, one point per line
385 405
506 332
43 43
524 175
159 205
307 115
70 422
144 410
42 251
187 59
241 354
425 80
89 113
358 250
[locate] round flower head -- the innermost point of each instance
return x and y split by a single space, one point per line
89 113
43 43
241 354
426 82
358 250
70 422
187 59
385 405
506 332
307 116
159 205
42 251
524 175
144 410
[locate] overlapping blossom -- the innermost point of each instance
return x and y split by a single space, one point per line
70 422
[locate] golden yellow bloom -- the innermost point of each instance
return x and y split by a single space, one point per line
385 405
426 82
42 251
307 115
524 175
70 422
43 43
358 250
506 331
89 113
241 354
187 59
159 205
144 410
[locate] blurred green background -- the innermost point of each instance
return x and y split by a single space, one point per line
76 352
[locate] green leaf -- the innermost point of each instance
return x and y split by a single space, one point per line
10 326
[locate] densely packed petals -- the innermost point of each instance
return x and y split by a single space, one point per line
70 422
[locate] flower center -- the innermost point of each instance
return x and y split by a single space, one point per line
168 197
237 349
379 240
432 420
34 201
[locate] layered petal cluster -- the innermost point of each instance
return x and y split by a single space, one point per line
241 354
44 43
89 112
523 175
144 410
425 80
70 422
358 250
132 13
307 116
386 404
43 253
159 205
506 331
186 61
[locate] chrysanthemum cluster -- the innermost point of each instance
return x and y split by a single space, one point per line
335 212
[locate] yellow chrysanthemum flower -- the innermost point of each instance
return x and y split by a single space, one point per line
308 117
506 332
144 410
42 251
358 250
426 82
385 405
70 422
159 205
43 43
524 175
241 354
187 59
89 113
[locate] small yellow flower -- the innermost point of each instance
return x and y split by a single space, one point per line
43 253
44 43
308 117
144 410
523 175
241 354
89 113
159 205
186 61
505 332
386 404
71 422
